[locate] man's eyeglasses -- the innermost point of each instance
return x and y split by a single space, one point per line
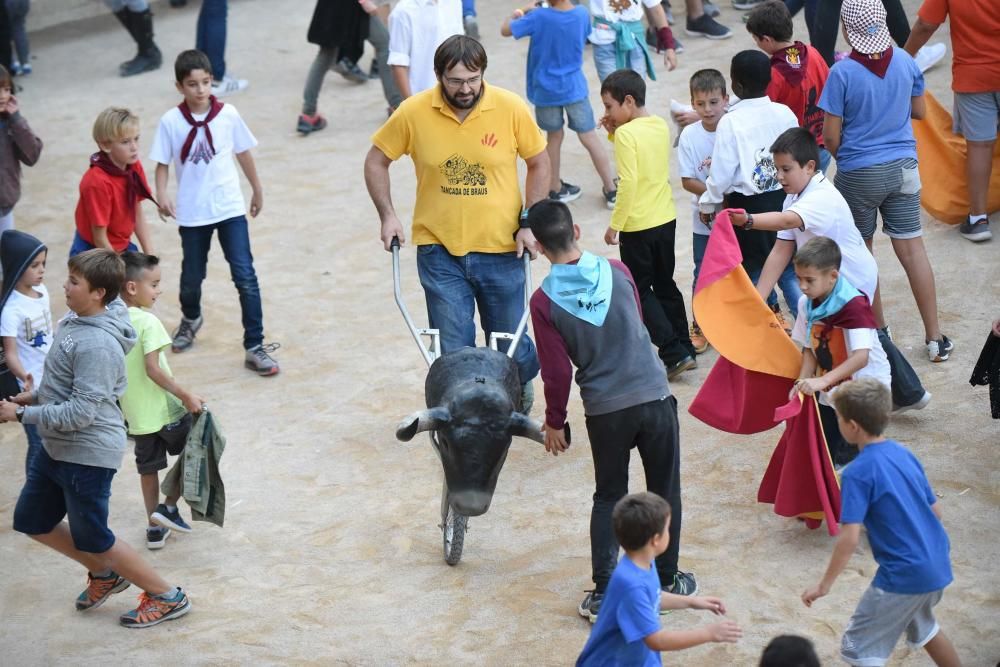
458 84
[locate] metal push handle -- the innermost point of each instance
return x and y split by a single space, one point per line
434 352
523 324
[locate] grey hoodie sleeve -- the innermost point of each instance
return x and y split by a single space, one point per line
95 374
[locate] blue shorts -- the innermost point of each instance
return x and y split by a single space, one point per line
80 245
579 114
57 489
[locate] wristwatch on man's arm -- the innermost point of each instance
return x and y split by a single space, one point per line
19 412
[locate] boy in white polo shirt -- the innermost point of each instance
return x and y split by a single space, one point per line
200 136
416 29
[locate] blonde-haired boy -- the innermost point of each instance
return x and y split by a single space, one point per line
108 211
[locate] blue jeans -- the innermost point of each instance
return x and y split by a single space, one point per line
80 245
824 159
454 286
468 8
606 62
211 35
788 283
698 244
34 445
234 237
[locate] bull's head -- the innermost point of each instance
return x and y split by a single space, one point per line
472 435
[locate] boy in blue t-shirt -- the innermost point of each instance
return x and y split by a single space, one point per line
557 87
628 629
885 489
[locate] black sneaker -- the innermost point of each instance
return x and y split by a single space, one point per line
156 537
977 232
185 332
940 350
706 26
685 364
169 519
567 192
610 197
310 124
591 605
684 584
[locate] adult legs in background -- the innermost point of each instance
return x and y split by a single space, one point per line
325 58
826 26
17 13
7 220
5 36
137 18
977 116
378 35
211 34
469 18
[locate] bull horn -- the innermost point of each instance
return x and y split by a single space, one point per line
424 420
525 427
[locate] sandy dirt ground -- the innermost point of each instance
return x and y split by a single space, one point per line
331 554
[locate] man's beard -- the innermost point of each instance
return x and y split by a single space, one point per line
467 103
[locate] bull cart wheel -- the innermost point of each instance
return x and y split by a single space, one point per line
453 532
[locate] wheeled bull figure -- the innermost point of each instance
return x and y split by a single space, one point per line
473 399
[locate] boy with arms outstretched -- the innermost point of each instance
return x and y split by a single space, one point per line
157 409
200 136
887 491
83 434
586 307
628 631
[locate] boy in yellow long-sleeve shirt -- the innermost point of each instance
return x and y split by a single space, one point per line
644 220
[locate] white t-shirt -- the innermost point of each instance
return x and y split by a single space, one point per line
208 186
825 212
416 29
694 155
614 11
29 321
855 339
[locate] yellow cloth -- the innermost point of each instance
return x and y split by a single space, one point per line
642 153
944 188
468 197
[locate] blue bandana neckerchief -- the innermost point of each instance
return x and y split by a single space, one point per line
583 289
629 35
838 297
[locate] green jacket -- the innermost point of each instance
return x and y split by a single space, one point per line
195 475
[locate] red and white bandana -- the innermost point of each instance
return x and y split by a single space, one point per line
864 23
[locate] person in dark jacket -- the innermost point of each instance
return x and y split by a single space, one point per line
18 145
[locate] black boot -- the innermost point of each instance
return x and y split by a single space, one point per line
140 26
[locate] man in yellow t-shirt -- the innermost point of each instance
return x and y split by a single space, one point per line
464 138
645 219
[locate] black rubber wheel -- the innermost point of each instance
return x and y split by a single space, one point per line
453 533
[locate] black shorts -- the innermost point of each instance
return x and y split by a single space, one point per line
151 449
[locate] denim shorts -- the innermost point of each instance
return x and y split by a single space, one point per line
579 114
57 489
977 115
151 449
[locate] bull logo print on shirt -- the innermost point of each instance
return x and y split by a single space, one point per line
201 152
464 177
765 175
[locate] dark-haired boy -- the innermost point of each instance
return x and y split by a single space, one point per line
75 409
743 174
798 71
644 217
886 489
157 409
789 651
694 157
200 136
586 307
814 207
836 330
628 631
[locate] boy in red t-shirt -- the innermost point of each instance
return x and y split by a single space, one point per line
798 71
975 72
113 188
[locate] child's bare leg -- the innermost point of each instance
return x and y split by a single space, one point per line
554 149
150 493
877 298
599 156
913 256
978 168
61 540
942 651
124 560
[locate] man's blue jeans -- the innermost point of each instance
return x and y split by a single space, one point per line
211 36
234 237
605 60
454 286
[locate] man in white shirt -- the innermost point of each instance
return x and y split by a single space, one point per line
416 29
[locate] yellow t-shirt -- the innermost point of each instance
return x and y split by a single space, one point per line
642 153
468 197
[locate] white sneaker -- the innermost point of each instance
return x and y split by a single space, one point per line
930 55
228 85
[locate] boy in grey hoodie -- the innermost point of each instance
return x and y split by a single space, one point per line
76 412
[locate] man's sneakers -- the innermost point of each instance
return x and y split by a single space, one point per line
155 609
591 605
259 359
939 350
167 518
309 124
706 26
698 339
228 85
686 363
156 537
930 55
684 584
977 231
100 589
185 332
919 405
471 26
567 192
610 197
